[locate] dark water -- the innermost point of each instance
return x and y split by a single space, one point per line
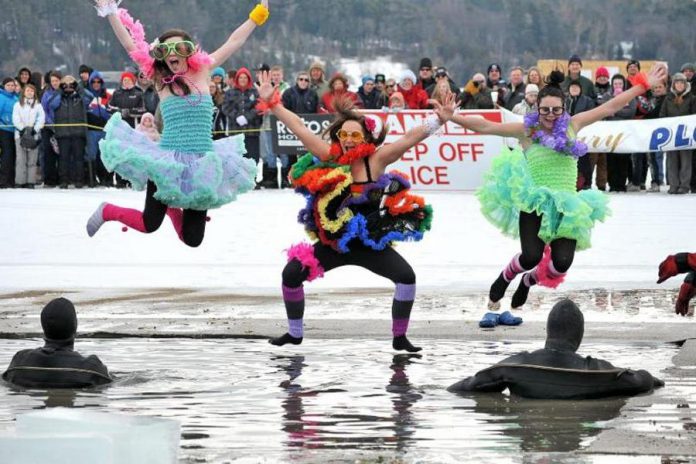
338 400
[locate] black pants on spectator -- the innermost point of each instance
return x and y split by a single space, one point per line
585 169
49 166
251 143
639 173
618 168
71 160
8 157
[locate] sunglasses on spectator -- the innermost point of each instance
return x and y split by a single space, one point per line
355 136
303 79
97 81
557 110
183 48
389 86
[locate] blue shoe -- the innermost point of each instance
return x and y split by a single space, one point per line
507 318
489 321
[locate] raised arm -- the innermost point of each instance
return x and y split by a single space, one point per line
484 126
640 85
257 17
391 153
268 93
109 9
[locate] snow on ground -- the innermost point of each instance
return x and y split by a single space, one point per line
45 245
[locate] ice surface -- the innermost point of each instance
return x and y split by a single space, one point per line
133 438
56 449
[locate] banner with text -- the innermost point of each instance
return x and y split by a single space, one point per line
635 135
452 159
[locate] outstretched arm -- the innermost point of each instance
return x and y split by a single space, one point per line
268 94
109 8
484 126
657 74
391 153
237 38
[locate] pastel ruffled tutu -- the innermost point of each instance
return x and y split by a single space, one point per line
540 181
375 214
190 170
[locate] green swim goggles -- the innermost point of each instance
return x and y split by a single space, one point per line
183 48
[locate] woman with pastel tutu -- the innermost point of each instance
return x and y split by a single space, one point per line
185 173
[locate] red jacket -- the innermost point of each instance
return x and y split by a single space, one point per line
328 97
416 98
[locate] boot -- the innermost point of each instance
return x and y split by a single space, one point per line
270 178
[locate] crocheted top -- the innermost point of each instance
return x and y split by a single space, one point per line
187 128
549 168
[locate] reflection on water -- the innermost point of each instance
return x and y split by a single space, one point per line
239 400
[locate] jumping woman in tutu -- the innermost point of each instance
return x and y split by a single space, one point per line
530 191
185 174
354 209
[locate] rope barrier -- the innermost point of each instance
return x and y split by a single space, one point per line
90 126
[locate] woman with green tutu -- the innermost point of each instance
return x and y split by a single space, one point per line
530 192
185 173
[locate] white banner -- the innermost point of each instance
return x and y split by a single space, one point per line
452 159
635 135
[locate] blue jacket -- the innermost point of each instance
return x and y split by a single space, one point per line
97 114
45 99
7 102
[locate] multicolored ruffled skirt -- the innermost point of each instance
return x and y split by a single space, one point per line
508 188
383 212
197 181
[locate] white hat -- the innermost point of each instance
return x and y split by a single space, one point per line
531 88
407 74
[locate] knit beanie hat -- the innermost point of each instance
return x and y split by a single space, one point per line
129 75
58 319
602 72
689 66
367 78
531 88
679 77
425 63
575 59
218 72
630 62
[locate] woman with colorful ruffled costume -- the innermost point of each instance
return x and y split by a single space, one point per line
354 209
186 173
530 191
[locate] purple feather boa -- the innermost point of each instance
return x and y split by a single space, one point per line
557 140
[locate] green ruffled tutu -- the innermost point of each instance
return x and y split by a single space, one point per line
509 188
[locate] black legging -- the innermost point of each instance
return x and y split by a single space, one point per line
386 263
193 224
562 249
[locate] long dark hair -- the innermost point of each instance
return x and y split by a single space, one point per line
345 112
553 86
162 71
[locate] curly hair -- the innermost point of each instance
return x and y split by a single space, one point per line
345 111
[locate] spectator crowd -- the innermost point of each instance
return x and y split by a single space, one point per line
51 124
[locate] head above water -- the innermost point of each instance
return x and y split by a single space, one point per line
565 326
59 320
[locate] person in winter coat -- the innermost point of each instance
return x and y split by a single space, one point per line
416 98
576 103
676 264
128 100
239 107
619 164
150 97
49 143
440 76
301 99
8 98
56 364
97 117
574 74
219 118
495 83
147 127
317 78
679 102
425 74
28 119
69 108
476 94
83 72
516 88
372 99
603 91
657 158
529 104
338 86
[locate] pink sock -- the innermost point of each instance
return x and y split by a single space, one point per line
513 268
127 216
177 217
